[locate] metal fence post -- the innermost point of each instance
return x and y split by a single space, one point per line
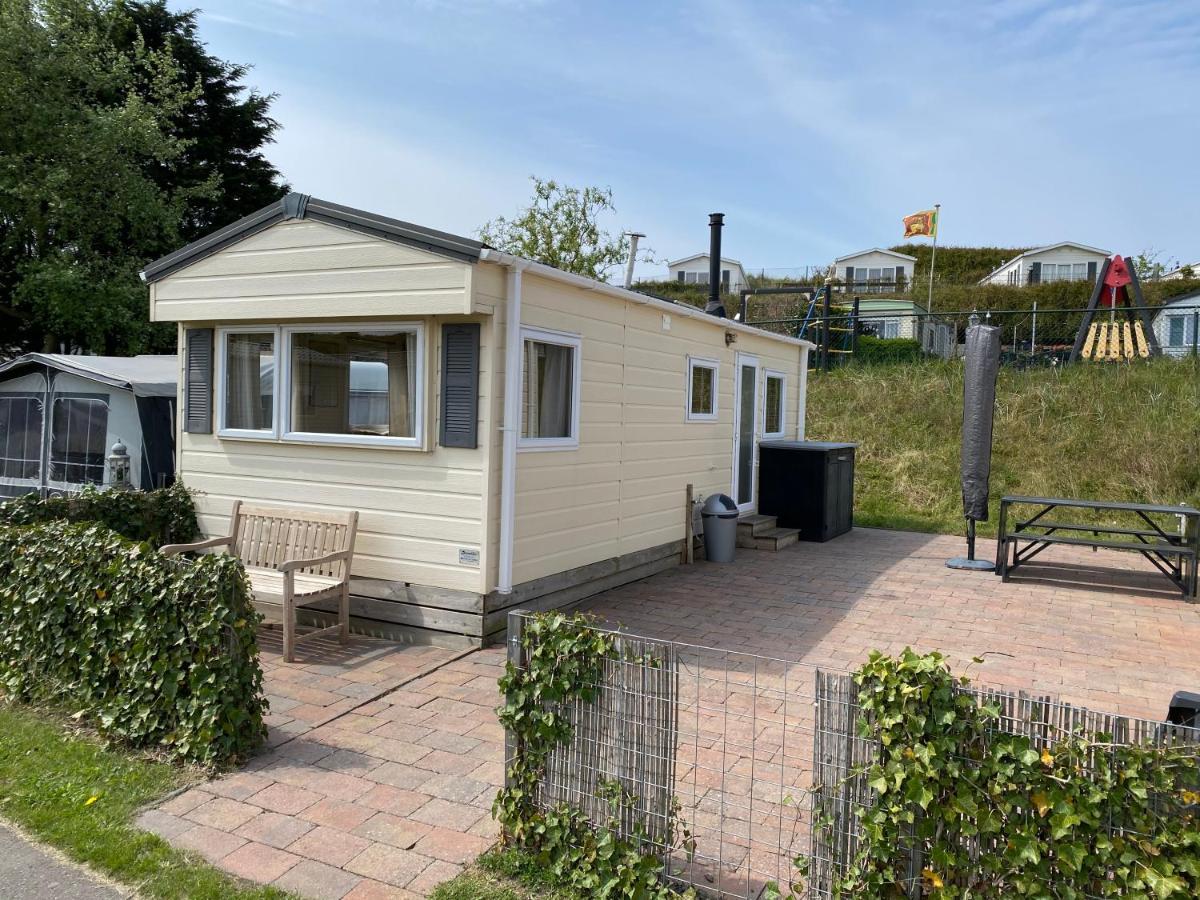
516 656
1196 331
825 329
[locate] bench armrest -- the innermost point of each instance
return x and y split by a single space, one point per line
173 549
293 564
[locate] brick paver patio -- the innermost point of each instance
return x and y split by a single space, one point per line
383 760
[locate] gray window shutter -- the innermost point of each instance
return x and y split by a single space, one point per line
682 276
1092 271
460 385
1035 273
849 274
899 277
198 380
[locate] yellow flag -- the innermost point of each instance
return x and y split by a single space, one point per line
921 224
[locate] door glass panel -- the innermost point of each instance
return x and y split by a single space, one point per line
78 440
745 481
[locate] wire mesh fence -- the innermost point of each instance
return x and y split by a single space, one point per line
843 755
712 750
741 771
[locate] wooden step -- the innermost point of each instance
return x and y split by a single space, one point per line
757 532
776 538
754 525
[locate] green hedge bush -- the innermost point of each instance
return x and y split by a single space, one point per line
166 516
154 651
877 350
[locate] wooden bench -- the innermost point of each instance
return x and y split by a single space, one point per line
1176 555
293 557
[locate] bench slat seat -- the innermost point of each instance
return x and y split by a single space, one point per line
1152 546
1094 529
292 558
1177 556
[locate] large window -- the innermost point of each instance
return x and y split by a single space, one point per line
250 374
773 405
549 390
875 280
1064 271
352 384
78 440
702 389
20 438
323 384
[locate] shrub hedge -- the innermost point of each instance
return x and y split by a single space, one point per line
877 350
154 651
166 516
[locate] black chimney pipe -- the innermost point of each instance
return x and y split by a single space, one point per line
714 307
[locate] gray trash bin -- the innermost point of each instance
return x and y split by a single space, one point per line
720 515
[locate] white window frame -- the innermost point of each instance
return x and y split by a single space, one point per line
284 414
705 363
560 339
252 434
768 374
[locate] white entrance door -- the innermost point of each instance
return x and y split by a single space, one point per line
745 427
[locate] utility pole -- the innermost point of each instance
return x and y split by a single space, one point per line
633 245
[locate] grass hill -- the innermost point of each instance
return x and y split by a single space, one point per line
1110 432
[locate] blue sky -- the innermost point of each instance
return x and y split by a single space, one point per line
814 126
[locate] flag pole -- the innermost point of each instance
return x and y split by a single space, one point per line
937 215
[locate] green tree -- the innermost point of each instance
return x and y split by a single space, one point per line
224 126
561 228
120 138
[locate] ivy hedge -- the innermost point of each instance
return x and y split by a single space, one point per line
153 651
991 815
166 516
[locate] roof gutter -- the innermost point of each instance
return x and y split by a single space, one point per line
511 427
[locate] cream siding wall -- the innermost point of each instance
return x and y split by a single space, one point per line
417 508
623 489
306 269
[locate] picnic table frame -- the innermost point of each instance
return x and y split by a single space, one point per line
1174 555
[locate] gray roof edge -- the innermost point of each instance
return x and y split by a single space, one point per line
140 377
218 240
302 206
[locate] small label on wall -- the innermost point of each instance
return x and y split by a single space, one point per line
666 323
468 557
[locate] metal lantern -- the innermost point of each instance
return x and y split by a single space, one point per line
118 467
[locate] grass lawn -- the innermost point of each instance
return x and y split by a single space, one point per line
501 875
1107 432
48 779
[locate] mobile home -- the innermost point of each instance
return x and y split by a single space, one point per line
510 434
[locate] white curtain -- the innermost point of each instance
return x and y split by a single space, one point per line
401 363
243 383
549 381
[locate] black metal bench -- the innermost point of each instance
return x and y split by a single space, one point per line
1176 555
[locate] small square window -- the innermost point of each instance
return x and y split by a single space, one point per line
702 390
550 390
773 401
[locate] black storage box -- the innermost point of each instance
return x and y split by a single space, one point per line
807 485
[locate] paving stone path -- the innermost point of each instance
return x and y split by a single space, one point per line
366 791
383 760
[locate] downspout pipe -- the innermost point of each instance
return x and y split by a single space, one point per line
511 424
